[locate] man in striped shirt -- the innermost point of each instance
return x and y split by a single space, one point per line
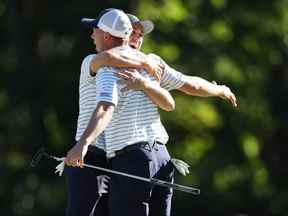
135 124
193 85
159 204
118 136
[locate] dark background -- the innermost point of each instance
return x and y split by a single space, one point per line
238 156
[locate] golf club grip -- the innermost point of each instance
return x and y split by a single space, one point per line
176 186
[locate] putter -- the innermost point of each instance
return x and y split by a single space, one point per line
192 190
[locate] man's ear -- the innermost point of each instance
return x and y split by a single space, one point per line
106 36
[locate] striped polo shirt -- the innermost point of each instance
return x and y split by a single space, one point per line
135 117
87 102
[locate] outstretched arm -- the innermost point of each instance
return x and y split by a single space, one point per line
192 85
197 86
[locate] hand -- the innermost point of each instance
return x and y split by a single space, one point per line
132 79
151 64
227 94
75 157
154 67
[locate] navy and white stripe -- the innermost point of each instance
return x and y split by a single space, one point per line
135 117
87 101
170 79
107 86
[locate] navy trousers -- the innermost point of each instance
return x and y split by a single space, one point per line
127 196
84 186
131 197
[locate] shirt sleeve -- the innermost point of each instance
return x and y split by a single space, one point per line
85 69
171 79
107 86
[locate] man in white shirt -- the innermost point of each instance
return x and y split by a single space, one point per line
145 129
135 118
160 201
193 85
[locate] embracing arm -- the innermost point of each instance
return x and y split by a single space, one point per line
98 122
159 96
114 59
135 59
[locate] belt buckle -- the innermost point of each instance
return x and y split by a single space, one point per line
147 146
110 155
154 145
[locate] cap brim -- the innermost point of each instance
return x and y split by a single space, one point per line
147 26
90 23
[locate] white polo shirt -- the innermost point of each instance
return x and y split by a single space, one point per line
135 117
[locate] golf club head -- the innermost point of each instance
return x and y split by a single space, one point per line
37 157
103 183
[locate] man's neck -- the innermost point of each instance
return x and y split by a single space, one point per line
116 44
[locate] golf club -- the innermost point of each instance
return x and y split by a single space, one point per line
40 153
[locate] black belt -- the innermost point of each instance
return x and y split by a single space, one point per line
96 150
144 145
138 145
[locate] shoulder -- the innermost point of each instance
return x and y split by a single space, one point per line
90 56
107 69
156 57
86 60
121 49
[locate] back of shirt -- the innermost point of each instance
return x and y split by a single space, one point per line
87 101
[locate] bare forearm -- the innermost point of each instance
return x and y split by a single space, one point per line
115 59
119 60
159 96
197 86
98 122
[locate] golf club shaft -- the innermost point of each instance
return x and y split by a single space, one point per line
158 182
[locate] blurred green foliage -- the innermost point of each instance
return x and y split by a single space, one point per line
238 156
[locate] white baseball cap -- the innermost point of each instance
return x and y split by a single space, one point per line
113 21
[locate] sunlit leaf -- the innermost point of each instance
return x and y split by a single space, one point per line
218 3
251 146
227 69
221 31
